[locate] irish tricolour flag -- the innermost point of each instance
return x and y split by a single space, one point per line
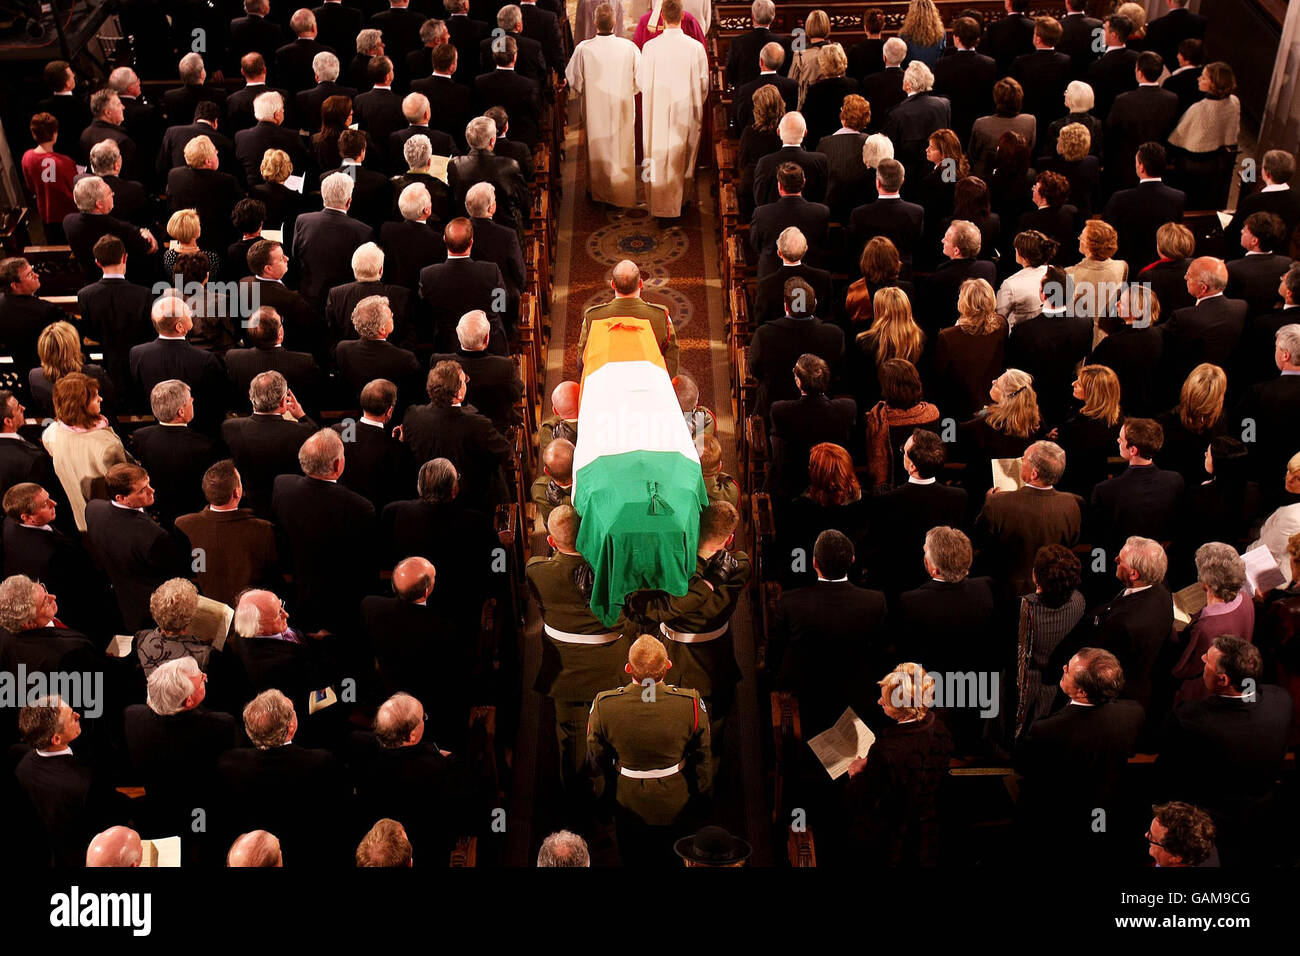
637 482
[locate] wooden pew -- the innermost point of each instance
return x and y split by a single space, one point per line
466 852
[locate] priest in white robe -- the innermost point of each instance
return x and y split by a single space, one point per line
674 81
602 72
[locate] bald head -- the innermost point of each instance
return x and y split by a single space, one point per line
627 278
558 459
771 56
398 722
254 849
647 658
413 579
792 129
116 846
258 613
1209 272
564 400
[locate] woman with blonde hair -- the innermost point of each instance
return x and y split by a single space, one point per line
757 140
893 334
970 353
80 441
1089 433
59 351
1197 418
825 98
185 230
923 32
282 203
1167 276
893 792
805 65
1204 143
1002 429
1073 160
1098 277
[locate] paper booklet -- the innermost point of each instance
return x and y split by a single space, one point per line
1187 604
295 183
844 743
1262 571
165 851
1006 474
120 645
212 622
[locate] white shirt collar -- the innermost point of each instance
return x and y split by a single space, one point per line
1030 484
833 580
1150 179
1212 295
118 504
1276 188
172 338
913 480
1128 591
65 752
223 509
888 196
12 435
113 275
174 424
371 421
1081 703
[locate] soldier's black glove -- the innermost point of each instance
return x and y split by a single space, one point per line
720 568
584 579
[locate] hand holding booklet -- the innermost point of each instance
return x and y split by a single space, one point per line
1262 571
844 743
1188 603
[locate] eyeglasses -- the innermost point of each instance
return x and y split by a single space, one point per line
1153 841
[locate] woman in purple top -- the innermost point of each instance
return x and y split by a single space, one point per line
1228 610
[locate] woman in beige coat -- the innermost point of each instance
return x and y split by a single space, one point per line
1098 278
80 441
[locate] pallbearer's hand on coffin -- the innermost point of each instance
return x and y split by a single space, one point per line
720 568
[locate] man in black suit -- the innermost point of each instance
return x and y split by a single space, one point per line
35 548
1255 277
1185 81
23 316
965 78
1113 72
142 120
106 108
884 90
801 423
239 105
514 92
1010 36
297 793
268 133
180 103
66 105
891 216
1143 499
1146 114
790 211
337 24
207 116
200 185
265 444
115 311
906 514
265 335
93 221
866 57
293 61
418 113
915 118
451 102
323 242
267 266
494 242
400 26
1272 410
1276 196
1044 73
776 346
171 356
770 59
1208 331
448 428
531 62
372 279
825 634
331 536
941 288
254 33
1256 360
743 53
495 385
134 550
792 130
372 194
372 356
370 44
378 111
460 285
21 461
131 201
1226 750
325 71
542 25
791 248
1072 761
1078 33
379 465
419 61
1050 345
1164 34
175 455
465 35
1137 213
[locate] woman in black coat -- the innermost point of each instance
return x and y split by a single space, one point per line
1088 436
756 141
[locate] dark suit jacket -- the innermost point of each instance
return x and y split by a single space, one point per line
343 300
1145 114
769 299
1110 75
466 34
1283 202
452 288
401 30
22 320
171 153
948 622
742 55
514 201
408 640
1134 355
1134 628
332 540
264 446
451 105
74 115
743 101
163 359
496 243
1077 33
884 91
293 63
1255 278
1164 33
814 169
137 554
518 95
541 25
1049 347
494 384
239 105
812 219
240 549
1137 213
372 194
338 24
379 113
453 537
1141 500
176 458
776 346
1007 38
98 131
903 518
1013 525
59 562
298 368
530 62
84 229
966 78
116 314
1206 332
253 34
379 466
308 102
1274 405
939 291
415 784
467 439
865 57
131 201
323 243
898 220
1169 283
1043 75
251 145
364 360
799 424
912 121
209 192
73 803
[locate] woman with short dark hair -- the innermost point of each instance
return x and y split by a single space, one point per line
1046 618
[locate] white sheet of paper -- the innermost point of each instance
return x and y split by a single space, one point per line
838 747
1187 604
1006 474
119 646
1262 572
295 183
212 621
165 851
273 235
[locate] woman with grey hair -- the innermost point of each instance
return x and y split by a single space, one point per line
1228 610
173 606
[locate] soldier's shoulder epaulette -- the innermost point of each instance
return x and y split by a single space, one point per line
681 691
535 560
612 692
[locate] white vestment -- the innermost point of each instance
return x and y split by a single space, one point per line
701 10
674 81
603 72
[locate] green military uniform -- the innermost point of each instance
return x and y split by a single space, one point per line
580 655
722 487
549 494
701 422
637 308
656 744
556 427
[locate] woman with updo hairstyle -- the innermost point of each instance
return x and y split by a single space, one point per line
282 203
1072 158
173 606
1225 502
825 98
335 117
971 353
1089 432
1008 117
1047 618
1053 214
833 499
757 140
80 441
1199 416
1204 143
1011 180
891 421
1020 295
1099 276
892 793
59 349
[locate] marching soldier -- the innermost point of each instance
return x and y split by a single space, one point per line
697 625
563 422
580 655
555 487
699 419
719 485
627 301
652 739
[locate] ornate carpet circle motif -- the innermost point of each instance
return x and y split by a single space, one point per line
633 234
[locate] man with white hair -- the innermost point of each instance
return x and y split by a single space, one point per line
414 242
417 112
530 61
494 382
742 54
142 120
171 356
791 247
673 77
294 60
912 121
106 110
276 657
884 89
239 106
93 220
206 119
325 70
602 73
268 133
481 165
179 103
564 848
374 277
323 242
265 444
172 452
115 847
494 242
371 355
331 536
202 186
173 741
792 129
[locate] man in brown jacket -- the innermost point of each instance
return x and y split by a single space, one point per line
231 549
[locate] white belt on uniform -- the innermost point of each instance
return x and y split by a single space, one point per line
650 774
566 637
684 638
